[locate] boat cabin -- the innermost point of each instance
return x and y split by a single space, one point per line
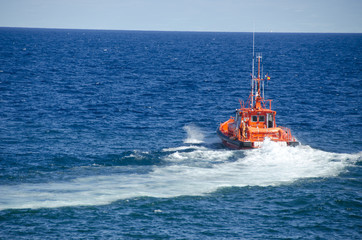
257 119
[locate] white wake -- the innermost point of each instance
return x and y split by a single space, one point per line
189 170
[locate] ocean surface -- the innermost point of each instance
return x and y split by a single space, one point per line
111 135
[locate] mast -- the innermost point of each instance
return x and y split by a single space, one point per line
252 73
252 64
257 93
257 82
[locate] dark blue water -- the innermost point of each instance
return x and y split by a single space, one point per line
111 135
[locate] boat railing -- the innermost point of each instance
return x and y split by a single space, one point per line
242 104
288 134
267 103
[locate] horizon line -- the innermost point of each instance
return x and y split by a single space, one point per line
191 31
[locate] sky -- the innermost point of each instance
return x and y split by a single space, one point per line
343 16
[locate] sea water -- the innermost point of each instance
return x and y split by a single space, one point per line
111 135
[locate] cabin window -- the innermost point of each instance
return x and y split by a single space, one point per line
270 121
237 119
261 118
254 118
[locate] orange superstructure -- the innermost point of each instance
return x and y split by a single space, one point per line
255 120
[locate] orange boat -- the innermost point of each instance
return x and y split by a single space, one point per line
254 121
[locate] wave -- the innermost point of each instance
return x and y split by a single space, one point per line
193 170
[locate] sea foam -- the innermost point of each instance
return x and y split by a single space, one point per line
195 171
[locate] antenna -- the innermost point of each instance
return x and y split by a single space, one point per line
253 52
262 75
252 73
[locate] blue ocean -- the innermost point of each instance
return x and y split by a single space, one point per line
112 135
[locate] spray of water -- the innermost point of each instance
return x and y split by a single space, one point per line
194 134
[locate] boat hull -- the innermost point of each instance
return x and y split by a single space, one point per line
236 144
233 144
